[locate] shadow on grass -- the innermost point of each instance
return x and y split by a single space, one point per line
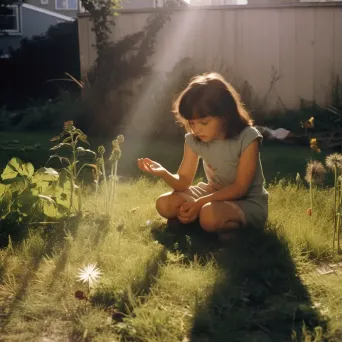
15 231
53 237
259 298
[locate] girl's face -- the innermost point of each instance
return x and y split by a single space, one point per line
208 128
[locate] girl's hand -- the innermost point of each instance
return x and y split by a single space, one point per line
189 212
150 166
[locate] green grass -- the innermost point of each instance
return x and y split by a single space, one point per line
174 284
278 160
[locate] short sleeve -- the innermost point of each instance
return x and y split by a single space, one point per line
248 135
190 140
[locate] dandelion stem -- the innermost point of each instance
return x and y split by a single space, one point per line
79 196
106 186
97 187
111 183
339 219
336 204
338 232
311 195
114 179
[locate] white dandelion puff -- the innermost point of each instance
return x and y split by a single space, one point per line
89 274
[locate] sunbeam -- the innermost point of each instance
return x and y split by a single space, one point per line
172 45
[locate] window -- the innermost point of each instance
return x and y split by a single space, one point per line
10 22
66 4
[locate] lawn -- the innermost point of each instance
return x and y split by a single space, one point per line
279 160
161 284
176 284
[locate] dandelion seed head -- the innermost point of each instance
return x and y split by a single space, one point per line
315 172
89 274
334 160
120 139
116 153
101 150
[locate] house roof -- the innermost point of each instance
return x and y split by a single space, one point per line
47 12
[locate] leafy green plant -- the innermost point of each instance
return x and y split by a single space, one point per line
26 194
114 160
315 172
334 163
71 137
109 182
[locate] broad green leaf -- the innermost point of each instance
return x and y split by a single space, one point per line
67 139
45 175
16 166
63 200
16 184
46 198
59 146
5 204
28 170
11 171
83 138
79 131
61 159
81 150
41 187
3 189
26 203
55 138
51 189
64 181
49 206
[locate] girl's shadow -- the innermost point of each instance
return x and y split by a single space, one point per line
259 297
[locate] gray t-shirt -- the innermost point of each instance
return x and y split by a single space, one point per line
220 163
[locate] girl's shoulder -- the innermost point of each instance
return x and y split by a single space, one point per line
246 136
249 132
192 141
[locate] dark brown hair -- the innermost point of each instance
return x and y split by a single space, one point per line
211 95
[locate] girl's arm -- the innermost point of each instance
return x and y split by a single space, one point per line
244 177
182 180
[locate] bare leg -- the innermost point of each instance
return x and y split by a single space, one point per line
220 217
168 205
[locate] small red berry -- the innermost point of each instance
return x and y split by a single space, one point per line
80 295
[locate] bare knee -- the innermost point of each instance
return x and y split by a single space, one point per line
168 205
209 219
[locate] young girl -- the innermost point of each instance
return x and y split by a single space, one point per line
220 132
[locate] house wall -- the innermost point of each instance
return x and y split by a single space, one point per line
51 6
134 4
298 46
33 23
